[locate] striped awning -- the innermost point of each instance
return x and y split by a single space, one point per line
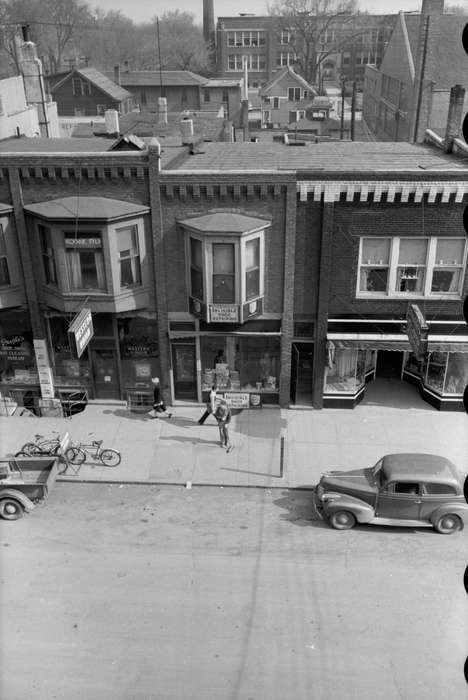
369 341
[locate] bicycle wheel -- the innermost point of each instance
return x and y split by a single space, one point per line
110 458
75 455
31 449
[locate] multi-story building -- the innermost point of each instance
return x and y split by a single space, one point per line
267 46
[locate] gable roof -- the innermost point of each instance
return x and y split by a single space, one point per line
95 77
293 75
173 78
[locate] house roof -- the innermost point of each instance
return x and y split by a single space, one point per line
223 82
265 90
225 222
94 208
98 79
173 78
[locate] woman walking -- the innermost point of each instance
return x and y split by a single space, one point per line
159 407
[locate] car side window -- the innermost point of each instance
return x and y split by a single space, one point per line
438 489
406 487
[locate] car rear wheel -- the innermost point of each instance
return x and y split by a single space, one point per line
342 520
11 509
448 524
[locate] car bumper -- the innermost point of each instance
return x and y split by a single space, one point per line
318 505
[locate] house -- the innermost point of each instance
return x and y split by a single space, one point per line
85 92
410 92
285 98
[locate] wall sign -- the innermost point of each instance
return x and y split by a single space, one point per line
81 331
83 243
243 400
43 368
417 330
224 313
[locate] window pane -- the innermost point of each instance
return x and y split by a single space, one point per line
127 240
223 258
4 274
375 250
252 253
196 253
412 251
223 289
410 279
196 281
457 373
450 251
2 241
252 279
89 277
445 280
373 279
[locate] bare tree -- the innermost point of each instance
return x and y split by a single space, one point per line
182 44
314 30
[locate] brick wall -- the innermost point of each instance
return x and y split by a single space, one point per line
308 242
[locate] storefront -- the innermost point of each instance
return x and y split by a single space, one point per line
244 364
19 379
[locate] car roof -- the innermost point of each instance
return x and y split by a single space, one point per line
416 466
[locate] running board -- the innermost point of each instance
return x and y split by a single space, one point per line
399 521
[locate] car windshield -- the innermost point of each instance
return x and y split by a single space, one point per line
376 471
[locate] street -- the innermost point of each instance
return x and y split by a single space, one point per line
125 592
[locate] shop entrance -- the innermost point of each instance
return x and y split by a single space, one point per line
389 364
184 368
105 376
302 368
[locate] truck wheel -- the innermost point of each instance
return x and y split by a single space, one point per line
448 524
342 520
11 509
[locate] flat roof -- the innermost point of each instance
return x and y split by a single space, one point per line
55 145
335 156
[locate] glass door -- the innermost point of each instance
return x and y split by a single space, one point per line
105 376
184 368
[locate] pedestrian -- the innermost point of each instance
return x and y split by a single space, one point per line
159 407
210 405
220 358
223 416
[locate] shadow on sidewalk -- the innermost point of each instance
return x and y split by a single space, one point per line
124 413
195 440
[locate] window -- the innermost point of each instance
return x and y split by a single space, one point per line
206 96
438 489
4 273
129 256
294 94
254 61
80 87
196 269
100 110
406 487
285 58
276 102
246 38
48 255
346 58
225 96
85 262
224 273
252 268
183 97
76 86
411 266
286 37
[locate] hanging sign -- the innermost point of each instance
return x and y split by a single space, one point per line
81 331
417 330
224 313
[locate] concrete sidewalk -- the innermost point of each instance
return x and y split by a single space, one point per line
178 450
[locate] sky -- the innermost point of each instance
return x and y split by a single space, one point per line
144 10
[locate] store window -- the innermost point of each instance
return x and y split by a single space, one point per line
17 358
48 255
68 370
139 351
85 261
415 267
345 370
4 272
129 256
456 378
247 364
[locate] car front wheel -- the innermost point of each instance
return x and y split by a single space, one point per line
342 520
448 524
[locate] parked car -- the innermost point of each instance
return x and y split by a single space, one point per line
408 490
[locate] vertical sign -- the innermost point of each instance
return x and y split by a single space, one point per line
43 368
81 331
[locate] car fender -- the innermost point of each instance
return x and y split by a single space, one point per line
26 502
459 509
334 501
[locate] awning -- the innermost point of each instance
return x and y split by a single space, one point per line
369 341
448 343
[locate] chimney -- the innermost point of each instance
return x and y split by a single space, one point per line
455 116
208 22
117 75
111 120
186 129
33 79
162 110
245 103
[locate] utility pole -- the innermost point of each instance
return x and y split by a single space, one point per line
353 109
343 81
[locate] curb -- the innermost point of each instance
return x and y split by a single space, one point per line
178 483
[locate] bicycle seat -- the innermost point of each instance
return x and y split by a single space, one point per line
38 437
97 442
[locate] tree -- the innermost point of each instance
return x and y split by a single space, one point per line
313 30
182 44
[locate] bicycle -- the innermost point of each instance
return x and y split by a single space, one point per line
41 446
77 454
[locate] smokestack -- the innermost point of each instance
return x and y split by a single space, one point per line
245 102
117 75
455 116
208 22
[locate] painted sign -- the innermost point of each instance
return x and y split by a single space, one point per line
243 399
417 330
83 243
224 313
43 368
81 330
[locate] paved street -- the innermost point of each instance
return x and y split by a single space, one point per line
123 592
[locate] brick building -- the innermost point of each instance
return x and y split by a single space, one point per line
285 274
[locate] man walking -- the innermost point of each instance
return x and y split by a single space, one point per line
223 416
210 406
159 407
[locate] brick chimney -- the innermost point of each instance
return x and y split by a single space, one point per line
33 79
455 117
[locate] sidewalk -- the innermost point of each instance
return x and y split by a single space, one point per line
178 450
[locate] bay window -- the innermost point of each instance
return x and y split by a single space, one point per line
4 272
129 256
252 268
224 273
85 261
48 255
411 267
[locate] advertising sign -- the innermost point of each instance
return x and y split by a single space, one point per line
243 400
83 243
81 331
417 330
43 368
224 313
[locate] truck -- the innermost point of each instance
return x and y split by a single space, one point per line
25 482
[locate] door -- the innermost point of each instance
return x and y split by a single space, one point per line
184 368
400 500
302 373
106 381
389 363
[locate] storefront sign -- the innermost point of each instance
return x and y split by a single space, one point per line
15 348
417 330
243 400
83 243
43 368
224 313
81 330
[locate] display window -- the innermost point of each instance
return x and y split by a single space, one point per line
345 371
67 369
17 359
412 364
456 377
139 351
248 364
434 371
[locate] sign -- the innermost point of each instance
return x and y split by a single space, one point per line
43 368
417 330
243 400
224 313
81 330
83 243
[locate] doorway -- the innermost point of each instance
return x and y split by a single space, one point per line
184 369
302 373
105 375
389 364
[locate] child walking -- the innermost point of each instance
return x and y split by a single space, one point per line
223 416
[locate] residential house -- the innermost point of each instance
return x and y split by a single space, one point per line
285 98
85 92
410 92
